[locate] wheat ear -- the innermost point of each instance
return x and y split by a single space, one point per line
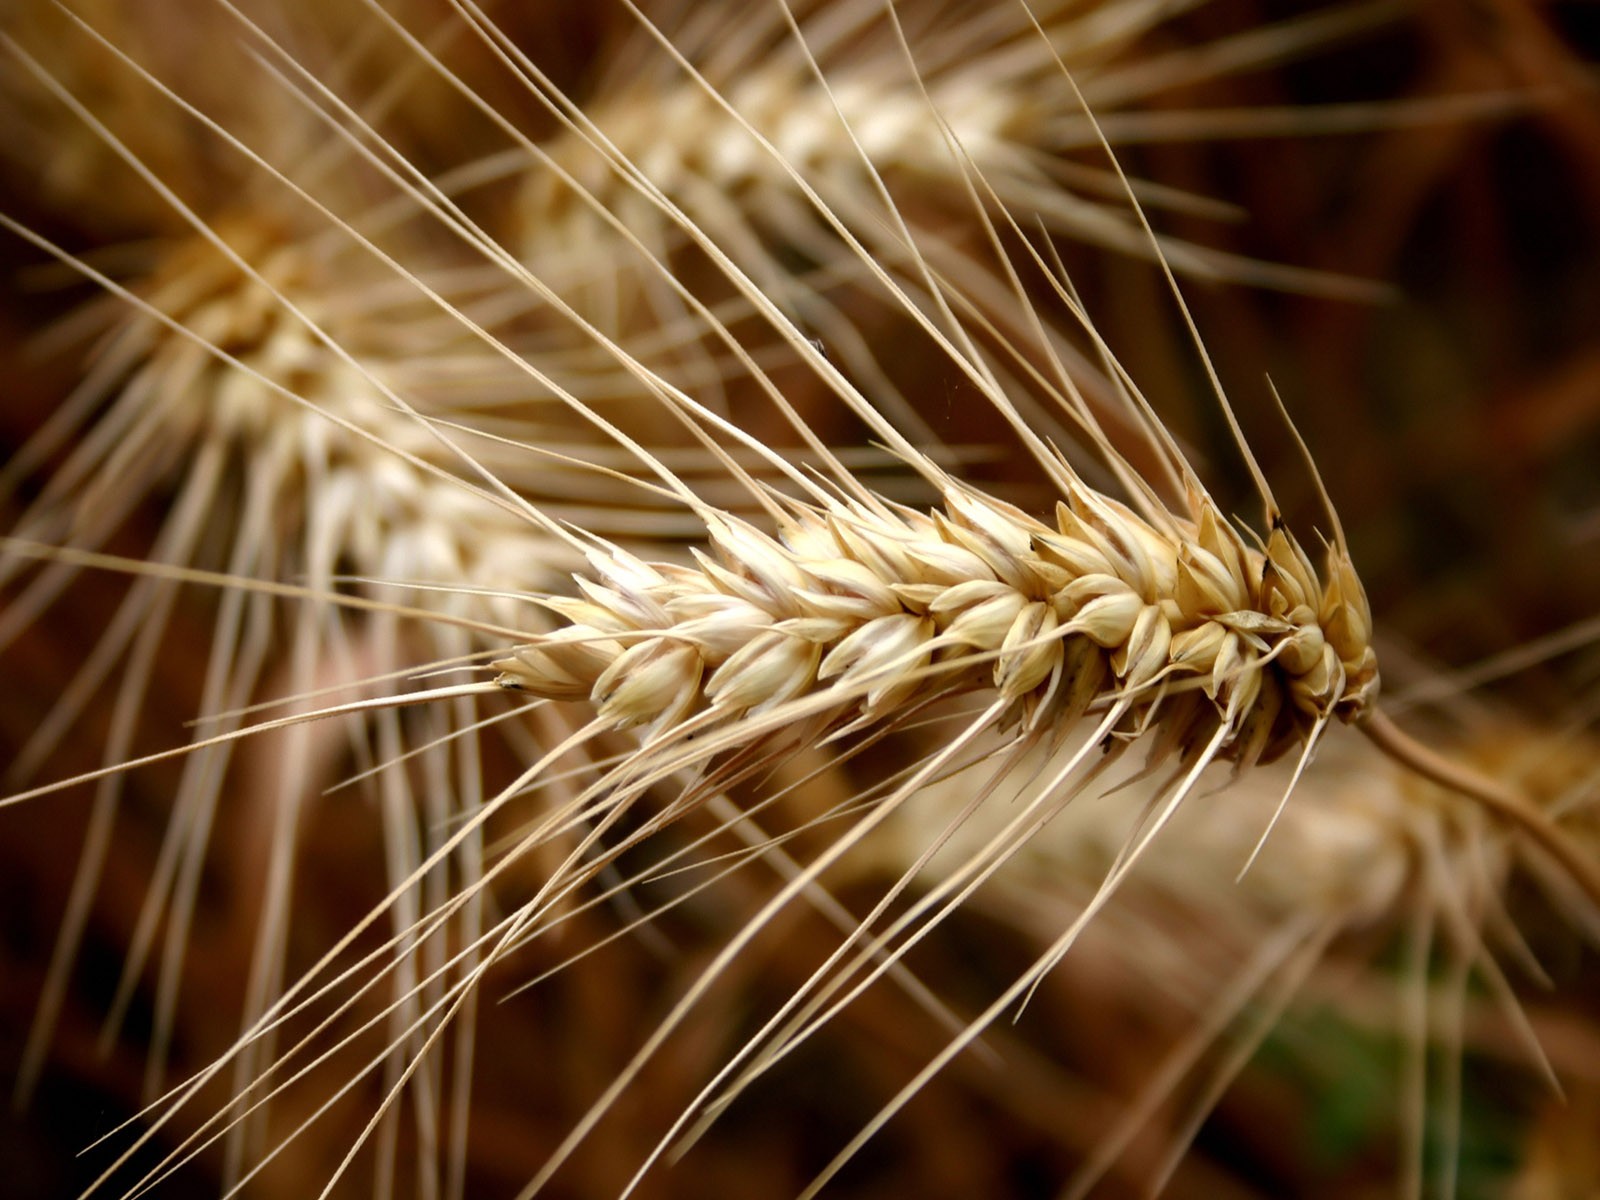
874 105
1370 850
867 608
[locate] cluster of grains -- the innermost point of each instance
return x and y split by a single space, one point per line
1362 844
867 609
986 114
285 417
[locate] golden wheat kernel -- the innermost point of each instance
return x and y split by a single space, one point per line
735 583
619 569
718 623
1254 704
1315 690
653 679
1287 580
952 601
893 551
1204 585
1006 530
1144 655
559 666
1345 618
849 577
1216 537
885 642
1228 665
1253 626
920 597
878 554
1076 520
996 559
775 667
824 631
1072 554
1304 646
636 609
984 625
852 592
1174 613
1108 620
940 562
811 536
1153 575
757 555
1159 548
1134 564
851 608
1047 580
588 613
1198 649
1022 667
1092 587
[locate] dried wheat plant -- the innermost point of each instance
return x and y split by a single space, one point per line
314 379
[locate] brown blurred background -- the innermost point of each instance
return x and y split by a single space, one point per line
1457 427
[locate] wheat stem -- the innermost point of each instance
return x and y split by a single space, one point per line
1502 801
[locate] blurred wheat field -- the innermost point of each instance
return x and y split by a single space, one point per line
1331 1025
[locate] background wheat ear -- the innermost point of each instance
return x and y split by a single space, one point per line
975 1151
1385 928
251 380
